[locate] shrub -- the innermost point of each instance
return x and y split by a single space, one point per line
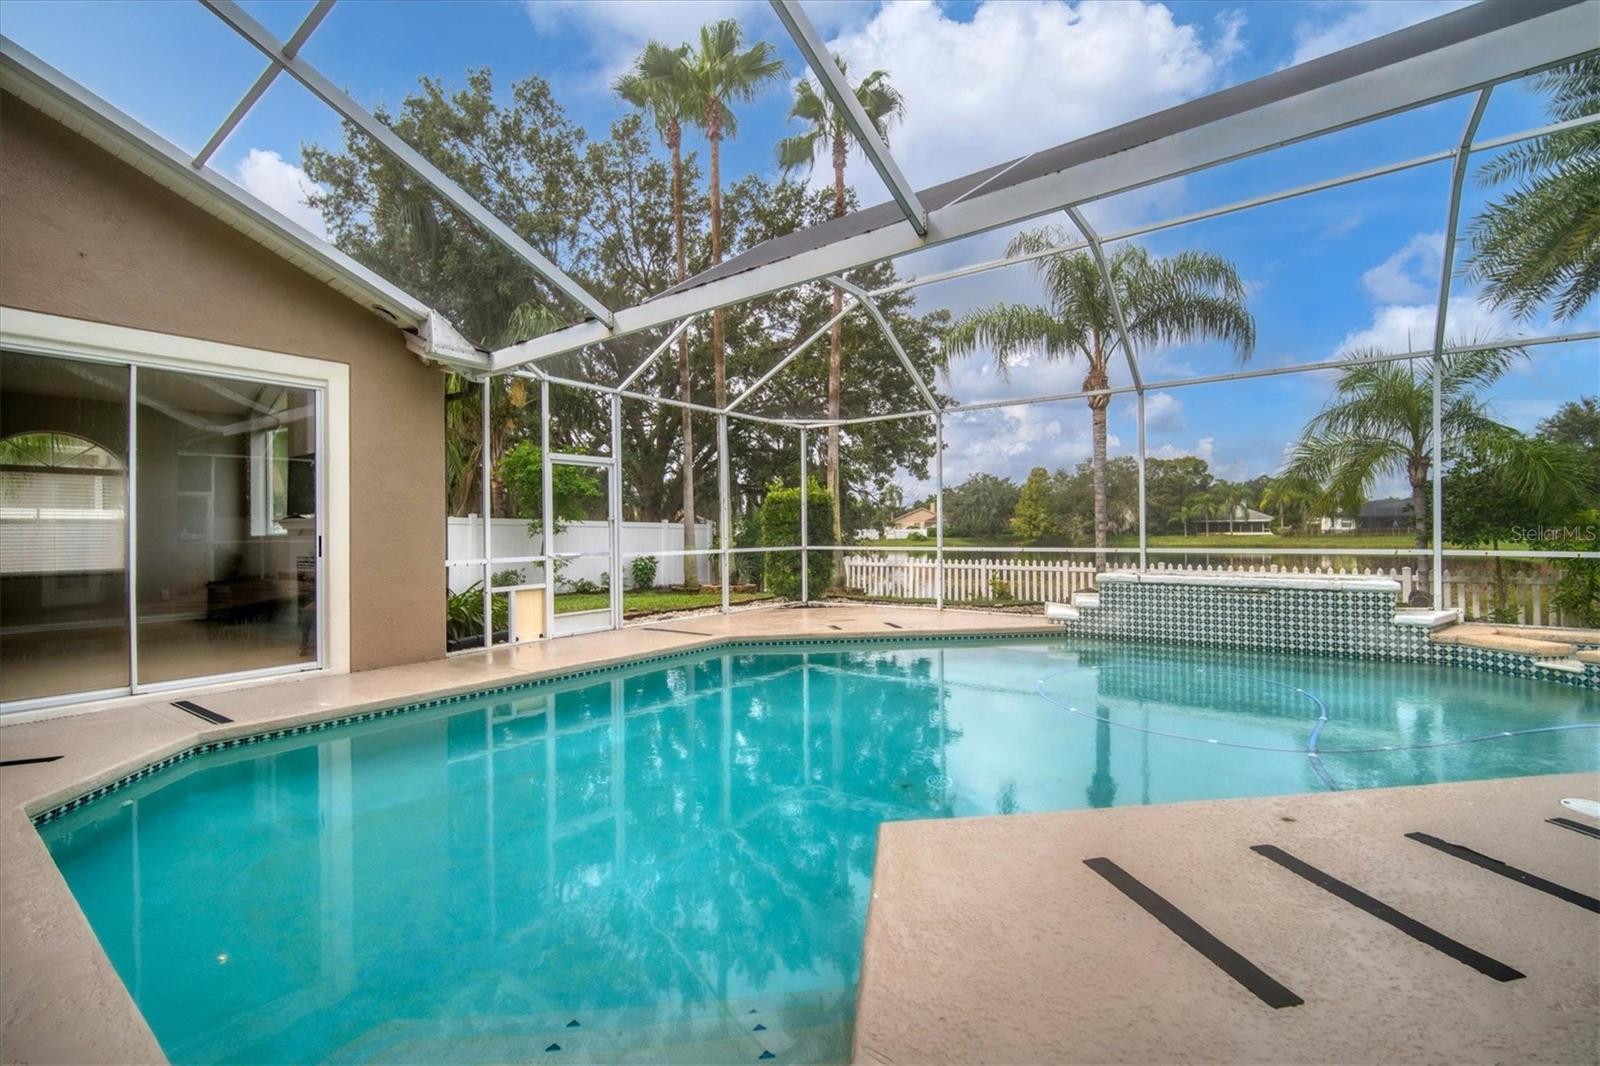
780 527
748 568
643 571
464 614
574 489
999 589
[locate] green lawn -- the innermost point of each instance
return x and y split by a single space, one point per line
653 601
1175 540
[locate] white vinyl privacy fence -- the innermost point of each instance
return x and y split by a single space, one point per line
1033 580
509 539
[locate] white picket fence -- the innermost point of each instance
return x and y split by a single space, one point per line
1034 580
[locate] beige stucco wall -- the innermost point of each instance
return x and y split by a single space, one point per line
86 236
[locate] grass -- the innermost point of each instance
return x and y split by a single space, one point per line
1401 541
637 602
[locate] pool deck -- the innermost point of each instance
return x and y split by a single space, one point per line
991 939
60 999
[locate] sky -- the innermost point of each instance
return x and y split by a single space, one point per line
983 82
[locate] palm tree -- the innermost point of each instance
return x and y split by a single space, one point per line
1289 495
1379 423
1187 297
659 84
826 130
723 71
1542 240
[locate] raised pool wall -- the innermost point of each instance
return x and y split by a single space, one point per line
1312 616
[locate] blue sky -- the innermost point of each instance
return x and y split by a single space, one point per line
984 81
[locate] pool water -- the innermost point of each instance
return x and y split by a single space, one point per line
672 862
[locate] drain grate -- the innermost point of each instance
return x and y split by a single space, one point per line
204 713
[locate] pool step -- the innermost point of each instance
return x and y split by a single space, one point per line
1493 639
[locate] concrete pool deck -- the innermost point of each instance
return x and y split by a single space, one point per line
60 999
992 940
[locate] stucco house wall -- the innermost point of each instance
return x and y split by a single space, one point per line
86 236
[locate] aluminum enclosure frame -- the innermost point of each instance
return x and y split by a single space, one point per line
1468 51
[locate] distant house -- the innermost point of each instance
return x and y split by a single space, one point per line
917 520
1243 521
1393 515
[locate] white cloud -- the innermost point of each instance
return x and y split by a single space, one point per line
1026 75
268 177
1340 25
1204 448
1409 327
1410 275
1163 413
617 29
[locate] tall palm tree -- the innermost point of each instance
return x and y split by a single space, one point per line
720 72
827 131
659 84
1379 423
1186 297
1542 240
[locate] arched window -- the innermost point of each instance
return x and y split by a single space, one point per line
62 500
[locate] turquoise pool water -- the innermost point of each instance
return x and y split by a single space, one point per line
677 857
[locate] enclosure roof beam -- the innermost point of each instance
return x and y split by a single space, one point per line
638 371
850 305
834 83
1342 363
1455 53
894 342
1076 214
1237 206
291 48
342 102
1458 177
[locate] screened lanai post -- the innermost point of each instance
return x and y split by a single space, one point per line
838 89
547 510
1144 546
805 524
483 475
614 500
1458 177
241 23
725 507
938 509
264 80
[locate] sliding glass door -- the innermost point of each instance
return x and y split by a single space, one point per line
208 485
63 527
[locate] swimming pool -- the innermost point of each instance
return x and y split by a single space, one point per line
672 861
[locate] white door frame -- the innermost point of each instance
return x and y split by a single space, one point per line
34 333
